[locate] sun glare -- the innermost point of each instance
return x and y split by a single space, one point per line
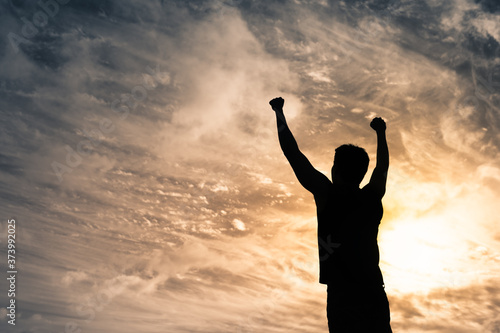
421 254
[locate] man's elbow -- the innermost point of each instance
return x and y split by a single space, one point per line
381 169
292 154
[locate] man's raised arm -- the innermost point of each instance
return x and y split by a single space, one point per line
378 179
312 180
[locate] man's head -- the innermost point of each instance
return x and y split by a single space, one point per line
350 164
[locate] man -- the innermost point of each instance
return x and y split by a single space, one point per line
348 220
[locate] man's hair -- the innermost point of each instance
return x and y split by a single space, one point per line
351 163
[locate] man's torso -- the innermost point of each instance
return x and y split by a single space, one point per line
347 236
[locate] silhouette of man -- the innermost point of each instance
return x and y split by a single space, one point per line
348 220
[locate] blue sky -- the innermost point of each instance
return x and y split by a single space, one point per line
141 163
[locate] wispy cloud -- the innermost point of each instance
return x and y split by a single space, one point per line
174 209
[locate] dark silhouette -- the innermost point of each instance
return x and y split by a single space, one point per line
348 220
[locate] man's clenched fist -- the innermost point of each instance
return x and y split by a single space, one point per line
277 104
378 124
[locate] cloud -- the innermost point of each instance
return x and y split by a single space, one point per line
238 224
447 309
227 75
187 206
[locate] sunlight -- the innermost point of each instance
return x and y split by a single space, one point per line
420 253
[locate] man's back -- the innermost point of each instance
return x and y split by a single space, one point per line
349 219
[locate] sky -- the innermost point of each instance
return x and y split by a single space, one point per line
140 160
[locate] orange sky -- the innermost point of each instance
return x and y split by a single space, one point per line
141 161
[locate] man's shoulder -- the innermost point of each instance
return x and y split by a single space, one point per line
368 189
370 195
324 196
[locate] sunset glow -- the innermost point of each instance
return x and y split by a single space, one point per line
141 162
